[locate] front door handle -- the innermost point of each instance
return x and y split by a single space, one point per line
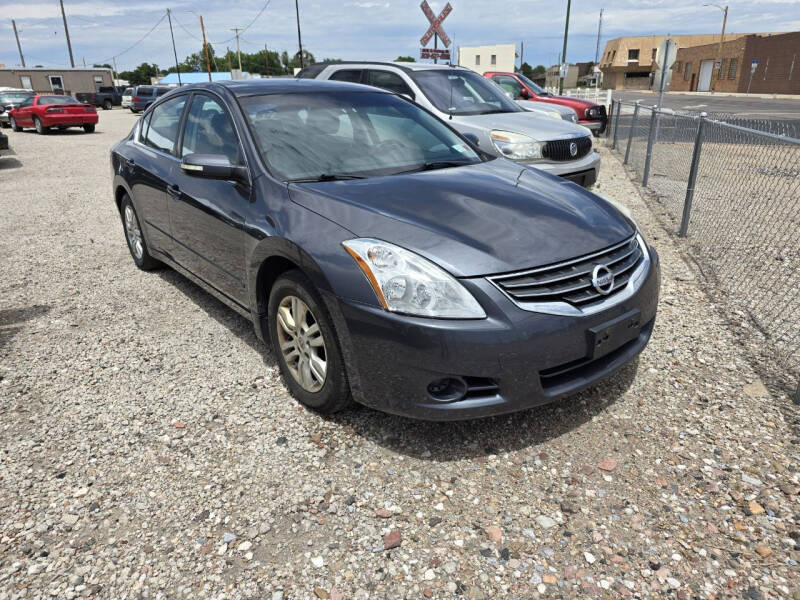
174 191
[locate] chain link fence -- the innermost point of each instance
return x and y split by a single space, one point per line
732 191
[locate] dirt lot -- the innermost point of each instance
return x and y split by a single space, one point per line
150 450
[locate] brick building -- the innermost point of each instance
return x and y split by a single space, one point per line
628 63
777 70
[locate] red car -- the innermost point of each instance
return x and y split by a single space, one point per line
590 114
44 112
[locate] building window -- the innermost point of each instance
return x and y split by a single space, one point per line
732 68
56 83
494 59
26 82
633 55
613 55
477 59
687 71
721 72
653 58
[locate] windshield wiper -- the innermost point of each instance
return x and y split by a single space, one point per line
437 164
328 177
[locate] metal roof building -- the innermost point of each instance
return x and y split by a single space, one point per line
200 77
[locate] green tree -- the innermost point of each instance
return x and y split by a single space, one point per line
141 75
405 59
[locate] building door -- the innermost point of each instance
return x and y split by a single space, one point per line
704 79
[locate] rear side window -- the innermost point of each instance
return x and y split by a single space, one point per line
209 130
509 84
351 75
144 90
164 124
162 91
388 81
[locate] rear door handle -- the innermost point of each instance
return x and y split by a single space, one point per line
174 191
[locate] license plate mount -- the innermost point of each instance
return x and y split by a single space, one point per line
612 334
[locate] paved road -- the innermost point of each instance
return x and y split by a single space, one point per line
753 108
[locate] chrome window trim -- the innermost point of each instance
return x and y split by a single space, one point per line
565 309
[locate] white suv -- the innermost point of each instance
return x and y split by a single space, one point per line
481 111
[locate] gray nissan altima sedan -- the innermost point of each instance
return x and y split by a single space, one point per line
385 258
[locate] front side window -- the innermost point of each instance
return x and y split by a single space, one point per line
509 84
388 81
27 103
351 75
537 89
305 137
165 122
209 130
13 97
462 92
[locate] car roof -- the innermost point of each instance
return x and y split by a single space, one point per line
280 85
316 68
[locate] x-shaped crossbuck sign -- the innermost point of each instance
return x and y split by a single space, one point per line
436 23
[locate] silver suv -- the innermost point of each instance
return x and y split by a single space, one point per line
481 111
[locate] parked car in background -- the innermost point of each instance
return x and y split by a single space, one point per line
590 114
385 258
9 99
127 97
480 110
549 110
44 112
106 96
145 95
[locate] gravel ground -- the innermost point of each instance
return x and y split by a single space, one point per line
150 450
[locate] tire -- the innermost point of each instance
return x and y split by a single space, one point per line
107 105
332 394
134 111
5 125
13 122
133 236
40 129
89 128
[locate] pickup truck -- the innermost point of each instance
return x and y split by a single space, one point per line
106 96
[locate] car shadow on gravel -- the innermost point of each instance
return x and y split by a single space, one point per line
12 320
7 162
450 441
239 326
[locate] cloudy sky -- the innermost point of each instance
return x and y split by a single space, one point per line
355 29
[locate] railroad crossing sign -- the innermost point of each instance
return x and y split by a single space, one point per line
435 24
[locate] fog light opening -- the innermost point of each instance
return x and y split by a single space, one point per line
448 389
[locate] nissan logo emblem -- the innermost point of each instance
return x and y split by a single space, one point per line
602 279
573 149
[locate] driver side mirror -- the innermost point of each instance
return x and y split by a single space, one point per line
524 93
212 166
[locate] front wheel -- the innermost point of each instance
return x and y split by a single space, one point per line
107 105
306 345
40 129
134 237
89 128
134 111
13 122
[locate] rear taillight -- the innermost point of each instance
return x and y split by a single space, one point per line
54 109
136 98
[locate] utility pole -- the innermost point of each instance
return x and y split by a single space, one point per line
236 30
174 51
599 29
205 47
299 40
66 30
19 47
564 52
718 58
521 54
114 62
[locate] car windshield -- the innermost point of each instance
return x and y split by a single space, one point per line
538 90
14 97
341 135
128 92
462 92
57 100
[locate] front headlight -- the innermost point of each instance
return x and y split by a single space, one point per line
407 283
573 117
516 146
554 114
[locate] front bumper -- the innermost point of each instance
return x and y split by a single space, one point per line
595 126
512 360
583 171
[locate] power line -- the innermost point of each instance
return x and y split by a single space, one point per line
161 20
243 29
189 33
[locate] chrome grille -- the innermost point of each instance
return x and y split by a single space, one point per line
571 281
560 149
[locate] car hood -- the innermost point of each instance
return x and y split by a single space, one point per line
545 106
488 218
575 101
538 127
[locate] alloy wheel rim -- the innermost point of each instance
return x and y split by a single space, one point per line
133 232
301 343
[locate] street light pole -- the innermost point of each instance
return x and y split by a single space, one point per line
564 52
718 57
299 40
